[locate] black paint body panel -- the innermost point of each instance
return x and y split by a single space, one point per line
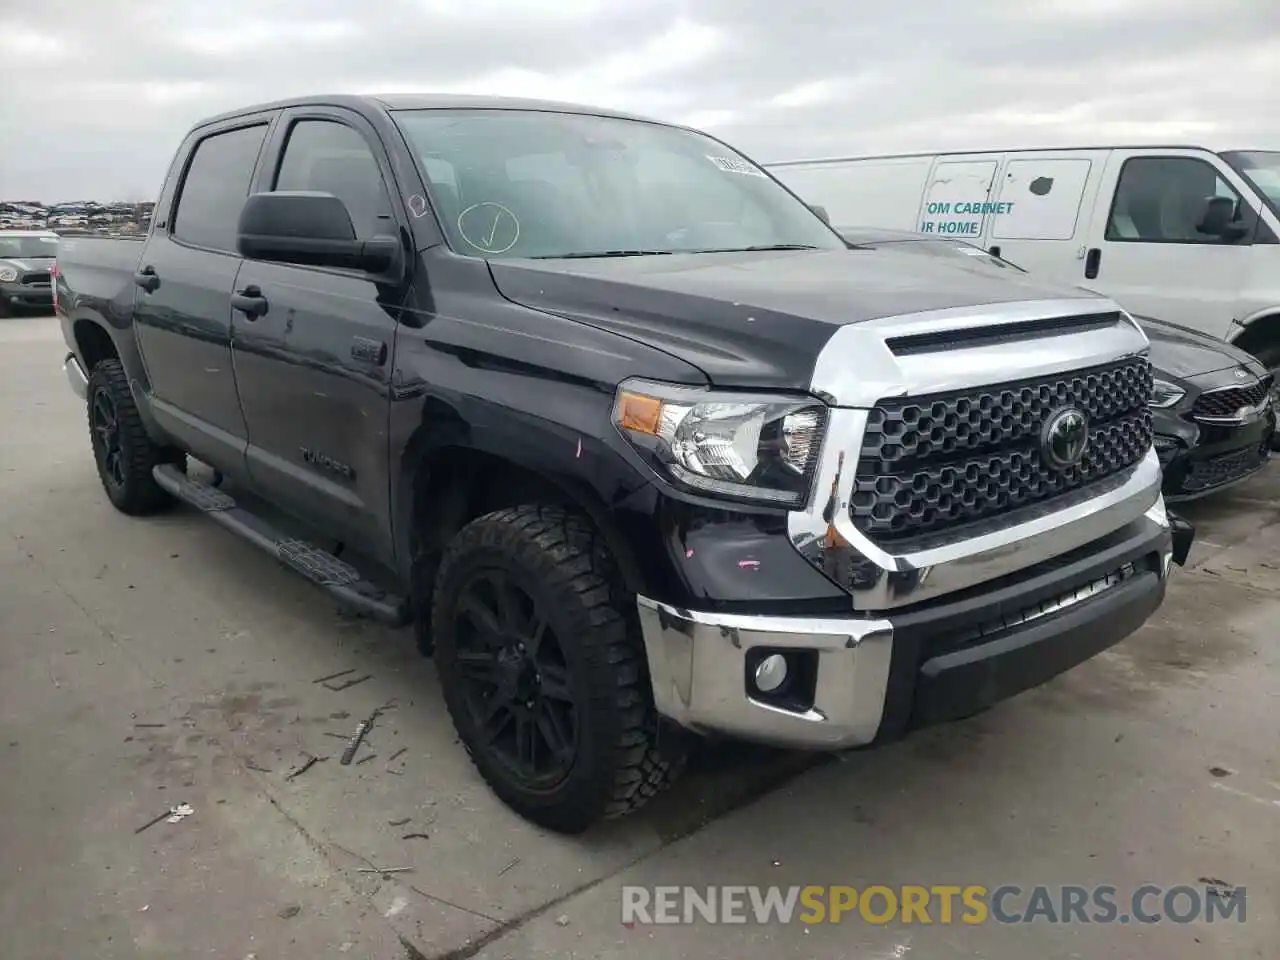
331 402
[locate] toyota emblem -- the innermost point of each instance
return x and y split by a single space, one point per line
1065 437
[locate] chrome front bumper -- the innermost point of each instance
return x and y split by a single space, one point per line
698 666
76 376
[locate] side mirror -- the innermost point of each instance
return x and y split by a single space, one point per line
821 212
312 230
1218 219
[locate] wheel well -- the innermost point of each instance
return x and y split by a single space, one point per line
94 344
1261 334
456 485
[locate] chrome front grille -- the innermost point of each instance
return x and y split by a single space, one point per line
1225 403
936 463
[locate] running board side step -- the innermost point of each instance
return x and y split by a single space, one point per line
336 577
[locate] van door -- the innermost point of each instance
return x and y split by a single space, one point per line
956 201
1043 203
1146 247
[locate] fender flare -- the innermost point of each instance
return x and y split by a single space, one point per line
443 433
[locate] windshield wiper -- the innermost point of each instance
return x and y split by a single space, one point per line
592 254
763 247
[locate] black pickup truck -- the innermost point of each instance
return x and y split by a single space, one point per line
624 429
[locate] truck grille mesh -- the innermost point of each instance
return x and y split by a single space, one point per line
1227 401
932 464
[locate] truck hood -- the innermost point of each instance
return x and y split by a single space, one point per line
28 263
1183 353
753 319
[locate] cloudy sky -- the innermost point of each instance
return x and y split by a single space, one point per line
96 94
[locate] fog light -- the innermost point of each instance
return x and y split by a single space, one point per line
771 673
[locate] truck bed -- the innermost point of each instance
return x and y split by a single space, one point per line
99 269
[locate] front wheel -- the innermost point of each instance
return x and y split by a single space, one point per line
123 452
543 670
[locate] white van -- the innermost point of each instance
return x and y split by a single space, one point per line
1179 233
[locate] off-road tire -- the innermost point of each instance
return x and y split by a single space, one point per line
137 494
619 764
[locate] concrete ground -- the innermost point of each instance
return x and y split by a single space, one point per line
149 663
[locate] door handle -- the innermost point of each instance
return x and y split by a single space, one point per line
250 302
147 279
994 250
1091 261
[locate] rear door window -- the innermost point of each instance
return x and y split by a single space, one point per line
215 188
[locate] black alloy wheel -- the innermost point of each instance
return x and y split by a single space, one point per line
515 679
122 451
105 424
543 669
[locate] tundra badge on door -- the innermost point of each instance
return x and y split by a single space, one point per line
325 462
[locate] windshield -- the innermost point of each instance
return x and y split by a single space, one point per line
26 248
520 183
1262 169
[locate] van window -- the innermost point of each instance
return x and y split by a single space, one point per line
1040 199
215 188
333 158
1162 200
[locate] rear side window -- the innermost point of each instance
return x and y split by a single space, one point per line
333 158
216 186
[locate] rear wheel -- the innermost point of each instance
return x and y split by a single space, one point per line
122 451
543 669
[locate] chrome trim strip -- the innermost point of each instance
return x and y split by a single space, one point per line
697 664
75 376
1056 604
856 368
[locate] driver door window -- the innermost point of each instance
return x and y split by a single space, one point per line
333 158
1163 200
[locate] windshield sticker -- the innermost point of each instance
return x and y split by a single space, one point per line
734 165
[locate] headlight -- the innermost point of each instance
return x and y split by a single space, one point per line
8 274
1165 394
742 445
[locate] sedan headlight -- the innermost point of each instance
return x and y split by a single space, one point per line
1165 394
8 274
747 446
